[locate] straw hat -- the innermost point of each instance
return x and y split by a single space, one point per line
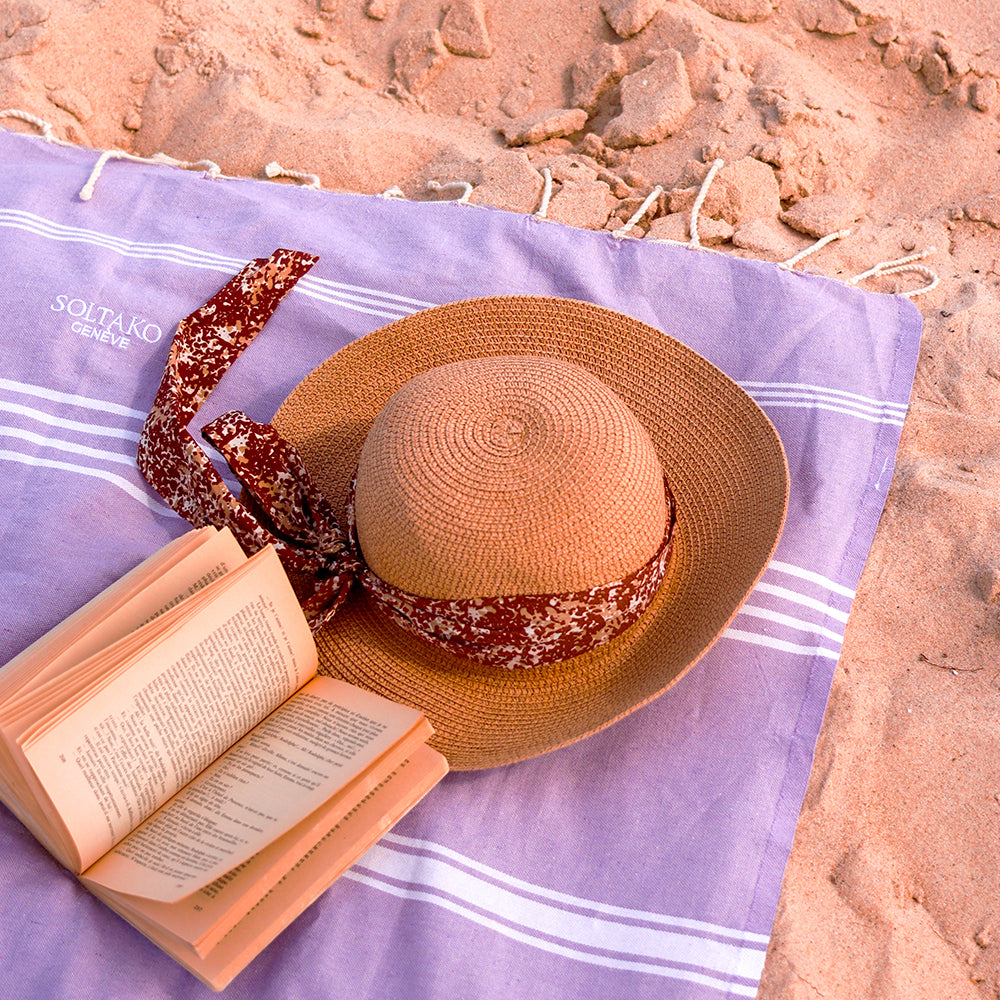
526 455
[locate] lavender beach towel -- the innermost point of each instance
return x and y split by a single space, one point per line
645 861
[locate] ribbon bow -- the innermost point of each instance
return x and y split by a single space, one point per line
290 513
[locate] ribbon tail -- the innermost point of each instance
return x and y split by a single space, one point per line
273 473
292 514
206 343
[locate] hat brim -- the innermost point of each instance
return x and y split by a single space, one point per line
722 458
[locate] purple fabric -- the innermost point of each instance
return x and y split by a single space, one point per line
643 862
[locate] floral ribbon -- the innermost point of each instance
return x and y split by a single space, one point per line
292 514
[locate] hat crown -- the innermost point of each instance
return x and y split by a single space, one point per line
504 476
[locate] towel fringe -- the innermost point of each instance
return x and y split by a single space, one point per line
464 186
87 191
818 245
909 264
901 266
695 241
543 209
275 169
31 119
639 212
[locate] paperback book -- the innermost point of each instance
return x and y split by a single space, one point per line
173 745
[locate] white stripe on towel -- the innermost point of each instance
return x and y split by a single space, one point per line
586 930
366 300
136 492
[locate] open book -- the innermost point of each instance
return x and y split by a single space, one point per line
172 745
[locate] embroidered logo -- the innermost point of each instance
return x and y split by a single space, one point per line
105 324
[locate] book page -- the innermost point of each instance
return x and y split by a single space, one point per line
169 575
117 757
321 867
51 696
314 873
43 703
202 918
278 774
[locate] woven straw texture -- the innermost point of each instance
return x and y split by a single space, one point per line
719 452
504 476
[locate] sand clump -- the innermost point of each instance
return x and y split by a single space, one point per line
740 10
72 101
828 115
584 203
464 30
655 101
596 74
417 57
21 28
532 129
764 238
984 209
984 95
740 192
821 214
509 182
629 17
830 17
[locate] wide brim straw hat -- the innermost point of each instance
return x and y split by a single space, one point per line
720 454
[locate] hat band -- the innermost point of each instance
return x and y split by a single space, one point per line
292 514
523 630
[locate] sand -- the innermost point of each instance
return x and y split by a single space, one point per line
876 115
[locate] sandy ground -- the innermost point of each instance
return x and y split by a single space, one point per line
876 115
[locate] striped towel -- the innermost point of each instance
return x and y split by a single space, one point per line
643 862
